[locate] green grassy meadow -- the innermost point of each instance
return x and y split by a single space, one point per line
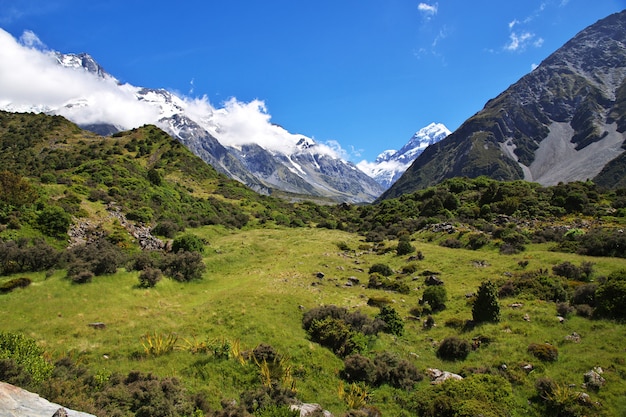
260 280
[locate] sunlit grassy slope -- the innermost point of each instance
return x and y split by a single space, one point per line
258 283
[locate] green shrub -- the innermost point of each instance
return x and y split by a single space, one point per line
404 248
189 243
26 354
8 286
436 296
486 307
477 395
183 266
544 351
453 349
452 243
149 277
358 368
142 215
392 319
409 269
54 221
167 228
477 241
382 269
336 335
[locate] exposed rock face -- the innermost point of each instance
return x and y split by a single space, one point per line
565 121
438 377
17 402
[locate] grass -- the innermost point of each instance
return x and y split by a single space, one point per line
252 291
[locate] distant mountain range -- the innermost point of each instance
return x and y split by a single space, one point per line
391 164
280 163
564 121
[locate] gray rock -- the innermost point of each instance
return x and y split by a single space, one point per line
17 402
310 409
438 377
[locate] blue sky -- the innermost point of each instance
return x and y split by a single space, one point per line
365 73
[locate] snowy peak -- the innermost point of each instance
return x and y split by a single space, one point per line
391 164
82 60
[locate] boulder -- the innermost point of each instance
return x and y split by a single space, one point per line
17 402
310 410
433 280
593 380
437 376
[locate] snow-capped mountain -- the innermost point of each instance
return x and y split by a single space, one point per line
237 140
391 164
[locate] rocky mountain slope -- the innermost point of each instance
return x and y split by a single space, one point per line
267 158
565 121
391 164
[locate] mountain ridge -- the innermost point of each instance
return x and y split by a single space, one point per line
564 121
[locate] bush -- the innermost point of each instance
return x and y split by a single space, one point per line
392 319
183 266
436 296
167 228
486 307
396 372
336 335
54 221
477 241
7 287
610 297
544 351
404 248
453 349
452 243
477 395
26 354
149 277
189 243
358 368
381 269
567 270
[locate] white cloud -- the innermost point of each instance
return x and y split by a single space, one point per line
512 23
29 39
519 42
31 76
428 10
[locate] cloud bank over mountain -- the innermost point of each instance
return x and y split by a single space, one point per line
30 73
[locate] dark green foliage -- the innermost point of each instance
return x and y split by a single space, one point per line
404 248
385 368
436 296
452 243
477 240
486 307
573 272
382 269
342 332
585 294
477 395
26 355
358 368
54 221
544 351
537 284
100 257
15 190
26 256
12 284
610 297
166 228
453 349
183 266
336 335
149 277
378 282
189 243
393 321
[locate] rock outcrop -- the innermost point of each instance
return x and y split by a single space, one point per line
17 402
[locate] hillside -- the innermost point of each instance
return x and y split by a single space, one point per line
562 122
253 305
